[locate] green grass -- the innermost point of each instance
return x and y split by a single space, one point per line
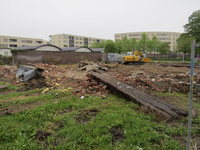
168 61
10 86
18 131
8 96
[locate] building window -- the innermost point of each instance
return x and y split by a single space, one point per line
38 42
4 45
59 45
12 40
76 38
174 38
26 41
65 45
53 42
12 45
76 42
80 42
59 41
90 39
59 37
65 41
81 39
5 40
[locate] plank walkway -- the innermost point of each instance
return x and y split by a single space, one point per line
165 110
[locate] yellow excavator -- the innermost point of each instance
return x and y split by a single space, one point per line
135 57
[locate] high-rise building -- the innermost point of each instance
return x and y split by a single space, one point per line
68 40
169 37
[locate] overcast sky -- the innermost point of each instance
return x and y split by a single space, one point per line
93 18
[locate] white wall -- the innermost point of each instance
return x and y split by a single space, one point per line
82 50
5 52
47 48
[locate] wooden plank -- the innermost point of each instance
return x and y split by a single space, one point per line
140 97
3 86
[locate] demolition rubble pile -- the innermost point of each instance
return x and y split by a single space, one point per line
90 66
5 71
170 83
80 82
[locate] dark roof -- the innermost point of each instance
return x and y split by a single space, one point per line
97 49
74 48
34 47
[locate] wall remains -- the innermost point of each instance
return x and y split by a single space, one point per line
54 57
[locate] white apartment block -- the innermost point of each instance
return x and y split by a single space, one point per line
12 41
69 40
169 37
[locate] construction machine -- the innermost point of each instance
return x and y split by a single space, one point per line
135 57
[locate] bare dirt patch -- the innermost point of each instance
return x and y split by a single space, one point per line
18 108
117 134
85 115
41 135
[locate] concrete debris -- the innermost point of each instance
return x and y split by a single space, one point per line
91 66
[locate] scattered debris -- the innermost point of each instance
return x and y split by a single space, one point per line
25 72
91 66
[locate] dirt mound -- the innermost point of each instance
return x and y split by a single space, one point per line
117 134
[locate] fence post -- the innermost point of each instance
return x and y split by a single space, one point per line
191 94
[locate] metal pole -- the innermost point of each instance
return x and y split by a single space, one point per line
191 95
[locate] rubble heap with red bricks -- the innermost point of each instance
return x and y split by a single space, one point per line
170 83
92 87
5 71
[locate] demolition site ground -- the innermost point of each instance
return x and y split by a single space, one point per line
67 108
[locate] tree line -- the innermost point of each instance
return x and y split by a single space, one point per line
124 45
192 32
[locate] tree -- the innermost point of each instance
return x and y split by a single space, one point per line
85 45
118 45
184 44
150 46
156 43
133 43
101 44
142 43
126 45
110 47
163 48
193 27
94 45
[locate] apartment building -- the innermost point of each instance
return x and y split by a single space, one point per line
12 42
68 40
169 37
